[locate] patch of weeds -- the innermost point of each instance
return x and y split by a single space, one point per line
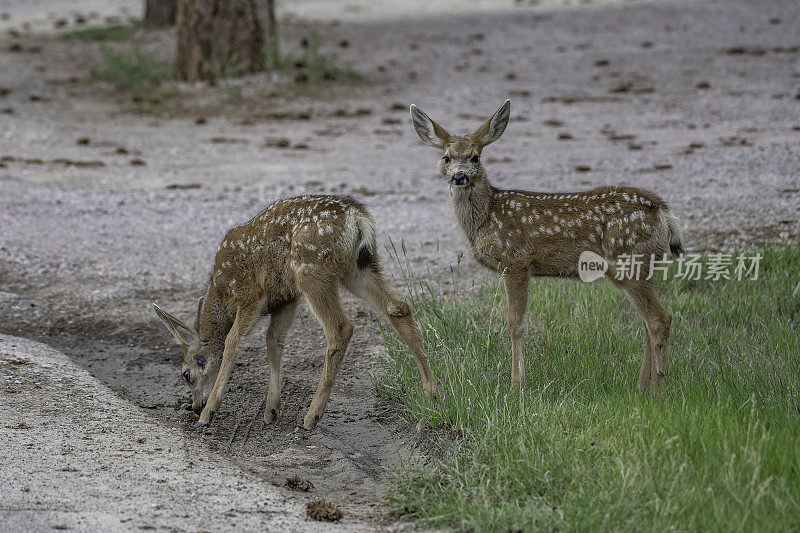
232 69
312 66
271 58
324 511
114 32
296 483
319 66
234 93
137 73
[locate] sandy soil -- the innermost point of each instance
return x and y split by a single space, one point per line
696 100
79 451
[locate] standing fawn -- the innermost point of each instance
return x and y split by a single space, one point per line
305 246
523 234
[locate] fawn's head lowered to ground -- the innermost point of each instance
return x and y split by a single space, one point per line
199 362
460 164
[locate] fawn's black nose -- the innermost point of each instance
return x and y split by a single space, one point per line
459 178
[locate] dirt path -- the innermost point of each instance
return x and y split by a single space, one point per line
80 453
696 100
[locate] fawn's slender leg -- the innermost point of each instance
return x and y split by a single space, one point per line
244 320
279 323
370 286
644 371
657 326
323 297
516 304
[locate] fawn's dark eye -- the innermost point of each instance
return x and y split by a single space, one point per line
446 159
475 159
186 377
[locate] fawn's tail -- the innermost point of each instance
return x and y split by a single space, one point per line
361 233
670 222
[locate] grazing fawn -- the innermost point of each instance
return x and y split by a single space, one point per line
523 234
305 246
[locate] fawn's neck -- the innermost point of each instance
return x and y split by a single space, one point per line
213 324
471 206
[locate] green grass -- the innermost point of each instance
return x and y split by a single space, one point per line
137 73
579 449
114 32
232 69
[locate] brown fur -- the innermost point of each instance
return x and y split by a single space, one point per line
306 246
523 234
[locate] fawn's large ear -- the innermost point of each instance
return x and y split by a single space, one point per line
493 128
430 132
182 333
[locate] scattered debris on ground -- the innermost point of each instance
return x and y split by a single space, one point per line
323 511
296 483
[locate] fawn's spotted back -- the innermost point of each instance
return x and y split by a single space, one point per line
314 232
531 227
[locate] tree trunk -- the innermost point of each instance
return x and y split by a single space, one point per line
272 24
218 38
159 12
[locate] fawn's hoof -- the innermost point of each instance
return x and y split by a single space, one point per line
202 422
270 415
310 422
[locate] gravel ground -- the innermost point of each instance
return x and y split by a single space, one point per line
696 100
